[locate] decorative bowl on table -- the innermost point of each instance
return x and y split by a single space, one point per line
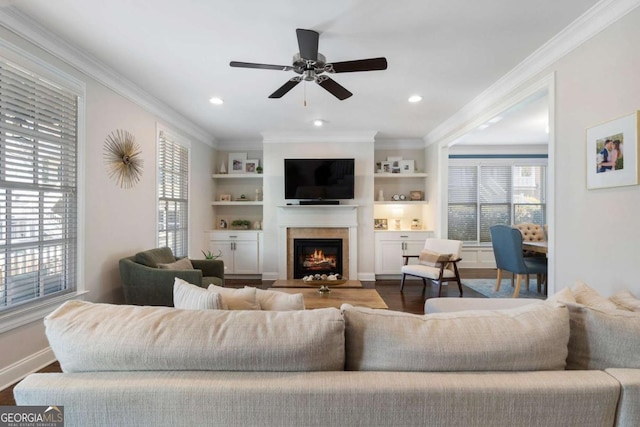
324 281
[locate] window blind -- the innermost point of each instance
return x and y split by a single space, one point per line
38 187
173 194
481 195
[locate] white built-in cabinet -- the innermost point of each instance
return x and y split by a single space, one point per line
391 246
240 250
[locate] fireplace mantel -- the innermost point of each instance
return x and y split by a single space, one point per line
318 216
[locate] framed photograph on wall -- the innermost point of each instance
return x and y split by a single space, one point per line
612 153
250 166
380 224
236 162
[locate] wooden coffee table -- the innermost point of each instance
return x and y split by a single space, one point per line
299 283
357 297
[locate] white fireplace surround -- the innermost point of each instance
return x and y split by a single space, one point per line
318 216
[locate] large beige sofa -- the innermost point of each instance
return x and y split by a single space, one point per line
160 366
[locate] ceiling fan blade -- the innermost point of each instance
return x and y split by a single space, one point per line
286 87
333 88
308 44
260 66
372 64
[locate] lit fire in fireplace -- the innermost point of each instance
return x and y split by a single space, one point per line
319 261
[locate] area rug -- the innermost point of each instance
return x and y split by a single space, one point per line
487 288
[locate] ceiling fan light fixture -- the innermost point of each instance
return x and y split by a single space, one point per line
415 98
216 100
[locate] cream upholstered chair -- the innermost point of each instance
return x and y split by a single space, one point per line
531 232
437 262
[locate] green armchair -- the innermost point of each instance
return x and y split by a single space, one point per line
144 283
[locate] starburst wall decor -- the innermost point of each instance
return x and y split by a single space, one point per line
122 158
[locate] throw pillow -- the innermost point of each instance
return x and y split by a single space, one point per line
279 301
432 259
152 257
147 338
563 296
192 297
603 339
181 264
588 296
529 338
626 301
237 299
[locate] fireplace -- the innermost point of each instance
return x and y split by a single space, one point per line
316 256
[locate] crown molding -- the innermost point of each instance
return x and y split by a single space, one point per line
26 28
596 19
314 137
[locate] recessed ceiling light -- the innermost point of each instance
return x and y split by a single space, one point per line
318 122
415 98
216 101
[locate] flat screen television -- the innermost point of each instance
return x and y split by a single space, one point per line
319 179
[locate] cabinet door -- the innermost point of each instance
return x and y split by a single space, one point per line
413 247
226 247
245 257
389 255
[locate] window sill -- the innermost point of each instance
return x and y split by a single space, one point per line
35 311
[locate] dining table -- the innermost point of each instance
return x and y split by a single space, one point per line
539 246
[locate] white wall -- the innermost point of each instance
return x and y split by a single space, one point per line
118 222
597 231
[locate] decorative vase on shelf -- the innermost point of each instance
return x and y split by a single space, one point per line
381 196
223 168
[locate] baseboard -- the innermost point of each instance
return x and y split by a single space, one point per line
20 369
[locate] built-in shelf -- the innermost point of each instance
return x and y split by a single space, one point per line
401 202
237 175
400 175
232 203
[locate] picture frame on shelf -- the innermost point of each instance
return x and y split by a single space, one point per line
380 224
251 166
407 166
223 224
395 161
416 195
612 153
236 162
385 167
225 197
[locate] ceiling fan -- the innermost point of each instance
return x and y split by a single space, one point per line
311 65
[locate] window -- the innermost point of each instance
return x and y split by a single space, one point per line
173 193
484 193
38 187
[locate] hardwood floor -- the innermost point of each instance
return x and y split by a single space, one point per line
411 300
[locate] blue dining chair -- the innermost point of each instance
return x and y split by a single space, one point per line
507 248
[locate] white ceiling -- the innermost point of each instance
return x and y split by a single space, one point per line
448 51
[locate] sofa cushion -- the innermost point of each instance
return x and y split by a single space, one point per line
279 301
181 264
528 338
237 299
586 295
626 301
192 297
603 339
562 296
145 338
153 257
